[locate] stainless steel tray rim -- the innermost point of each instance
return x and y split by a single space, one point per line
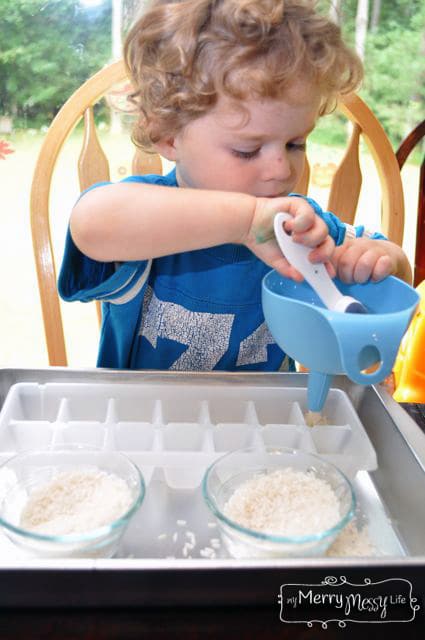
161 564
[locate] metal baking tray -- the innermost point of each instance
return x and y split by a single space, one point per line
386 458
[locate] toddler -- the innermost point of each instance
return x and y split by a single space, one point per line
229 91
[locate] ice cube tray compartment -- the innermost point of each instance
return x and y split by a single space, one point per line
180 429
288 436
23 435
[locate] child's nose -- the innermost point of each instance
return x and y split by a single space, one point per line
279 166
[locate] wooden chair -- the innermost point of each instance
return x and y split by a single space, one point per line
93 167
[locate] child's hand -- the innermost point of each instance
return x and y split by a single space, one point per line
307 228
361 259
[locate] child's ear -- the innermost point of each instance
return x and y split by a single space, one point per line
166 149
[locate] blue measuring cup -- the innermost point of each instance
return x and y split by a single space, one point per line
331 342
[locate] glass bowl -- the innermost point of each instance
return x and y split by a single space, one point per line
31 471
232 470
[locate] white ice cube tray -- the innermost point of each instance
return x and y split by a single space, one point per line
180 429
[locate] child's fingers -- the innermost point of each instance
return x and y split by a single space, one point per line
355 263
372 265
303 222
383 268
297 207
343 260
303 215
324 251
330 269
314 235
364 265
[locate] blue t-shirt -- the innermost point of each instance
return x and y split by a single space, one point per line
197 310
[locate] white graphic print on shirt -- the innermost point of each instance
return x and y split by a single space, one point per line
254 348
205 334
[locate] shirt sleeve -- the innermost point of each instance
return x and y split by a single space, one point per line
84 279
338 230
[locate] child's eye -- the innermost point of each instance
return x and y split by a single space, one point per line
246 155
296 146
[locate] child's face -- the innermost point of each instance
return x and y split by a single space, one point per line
262 155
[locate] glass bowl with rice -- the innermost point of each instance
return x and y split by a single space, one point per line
277 502
69 502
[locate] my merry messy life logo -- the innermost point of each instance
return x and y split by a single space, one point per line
341 601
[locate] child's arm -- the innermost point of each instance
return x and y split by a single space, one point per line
137 221
134 221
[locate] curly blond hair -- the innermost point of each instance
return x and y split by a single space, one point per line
182 54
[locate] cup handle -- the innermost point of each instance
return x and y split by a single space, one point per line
352 346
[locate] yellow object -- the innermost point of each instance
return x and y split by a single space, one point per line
409 368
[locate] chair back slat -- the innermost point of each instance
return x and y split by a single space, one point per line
303 182
93 165
402 153
347 181
392 218
144 163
